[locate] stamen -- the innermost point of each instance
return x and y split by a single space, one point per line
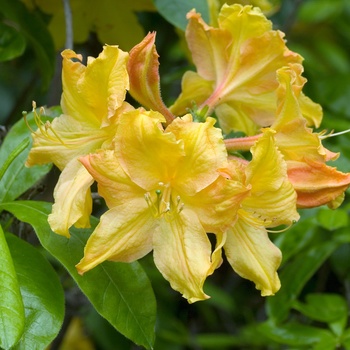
163 203
43 127
323 135
282 230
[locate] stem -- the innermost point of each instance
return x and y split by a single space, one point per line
241 143
69 24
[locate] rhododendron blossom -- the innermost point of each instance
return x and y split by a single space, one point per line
92 99
174 180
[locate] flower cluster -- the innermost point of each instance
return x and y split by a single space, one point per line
172 176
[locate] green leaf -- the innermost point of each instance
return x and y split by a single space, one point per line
42 295
298 237
296 334
295 275
11 305
15 177
328 308
332 219
346 339
323 307
175 11
12 43
120 292
34 30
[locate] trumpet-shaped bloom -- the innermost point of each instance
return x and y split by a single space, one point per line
315 182
92 99
236 70
154 183
271 202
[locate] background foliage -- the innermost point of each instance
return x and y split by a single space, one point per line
37 275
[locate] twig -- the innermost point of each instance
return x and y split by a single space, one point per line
69 24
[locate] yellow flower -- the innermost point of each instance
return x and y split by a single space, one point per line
164 190
236 70
271 202
315 182
92 99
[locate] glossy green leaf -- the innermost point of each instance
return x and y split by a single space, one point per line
298 237
175 11
15 177
296 334
120 292
34 30
323 307
328 308
42 295
12 43
295 275
11 304
346 339
332 219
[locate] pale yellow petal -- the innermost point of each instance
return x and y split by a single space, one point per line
267 169
146 153
274 208
124 234
253 256
216 257
205 154
195 90
182 253
72 196
93 93
114 185
217 205
66 139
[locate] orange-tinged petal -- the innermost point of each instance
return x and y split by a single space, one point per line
253 256
114 185
182 253
143 68
294 139
124 234
316 183
217 205
205 153
73 201
146 153
93 93
239 60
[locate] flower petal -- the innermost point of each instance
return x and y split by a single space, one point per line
66 139
217 205
182 253
317 183
143 68
93 93
146 153
73 201
267 170
253 256
238 62
114 185
205 153
124 234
